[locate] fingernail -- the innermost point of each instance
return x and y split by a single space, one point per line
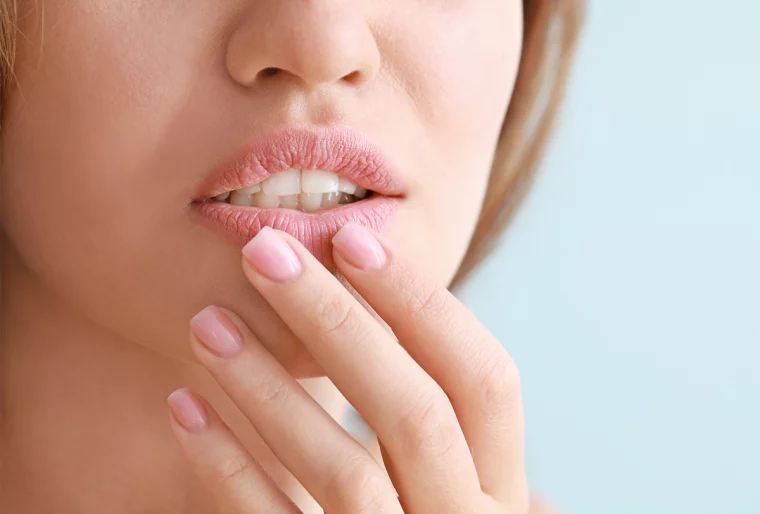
359 247
215 330
272 256
188 410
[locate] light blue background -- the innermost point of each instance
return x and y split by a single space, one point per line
628 288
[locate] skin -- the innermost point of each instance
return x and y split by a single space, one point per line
446 406
118 111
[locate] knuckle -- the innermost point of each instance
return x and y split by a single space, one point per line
270 390
499 382
239 469
335 315
427 302
373 501
358 487
430 427
422 298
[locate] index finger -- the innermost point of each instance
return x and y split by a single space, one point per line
409 412
448 341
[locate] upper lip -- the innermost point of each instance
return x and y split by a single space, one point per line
342 151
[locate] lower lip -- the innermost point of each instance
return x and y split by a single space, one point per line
315 230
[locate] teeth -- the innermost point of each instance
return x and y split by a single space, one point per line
240 198
315 181
251 190
289 202
266 201
331 199
311 201
283 183
304 190
346 186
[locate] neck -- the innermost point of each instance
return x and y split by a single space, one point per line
83 417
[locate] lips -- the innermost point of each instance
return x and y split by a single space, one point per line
342 151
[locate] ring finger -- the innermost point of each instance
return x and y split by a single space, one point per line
336 470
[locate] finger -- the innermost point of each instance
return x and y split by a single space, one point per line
446 339
338 472
278 339
271 332
407 409
236 480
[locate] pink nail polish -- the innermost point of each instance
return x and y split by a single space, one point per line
272 256
216 331
359 247
188 410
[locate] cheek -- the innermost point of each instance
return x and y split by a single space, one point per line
93 211
461 87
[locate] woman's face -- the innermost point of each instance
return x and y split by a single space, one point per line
123 109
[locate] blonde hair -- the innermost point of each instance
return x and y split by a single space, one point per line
8 17
551 34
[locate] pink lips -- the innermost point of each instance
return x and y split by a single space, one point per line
341 151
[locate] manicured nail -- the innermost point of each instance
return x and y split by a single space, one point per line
188 410
272 256
216 331
359 247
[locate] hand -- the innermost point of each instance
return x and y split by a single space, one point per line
445 402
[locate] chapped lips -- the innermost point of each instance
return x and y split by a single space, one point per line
317 156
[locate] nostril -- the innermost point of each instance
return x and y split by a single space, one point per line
270 72
355 78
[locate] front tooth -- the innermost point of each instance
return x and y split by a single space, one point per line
317 181
289 202
240 198
331 199
346 198
283 183
266 201
311 201
222 197
346 186
250 190
360 192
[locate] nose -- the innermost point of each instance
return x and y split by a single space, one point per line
317 41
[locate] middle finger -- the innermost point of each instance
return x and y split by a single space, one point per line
408 410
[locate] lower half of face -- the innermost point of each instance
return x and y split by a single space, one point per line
126 112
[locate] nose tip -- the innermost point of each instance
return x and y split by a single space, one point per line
317 42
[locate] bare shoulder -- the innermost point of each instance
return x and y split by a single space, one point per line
539 506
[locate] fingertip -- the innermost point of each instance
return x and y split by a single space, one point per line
188 410
273 256
359 247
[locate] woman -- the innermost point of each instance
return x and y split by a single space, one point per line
146 143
